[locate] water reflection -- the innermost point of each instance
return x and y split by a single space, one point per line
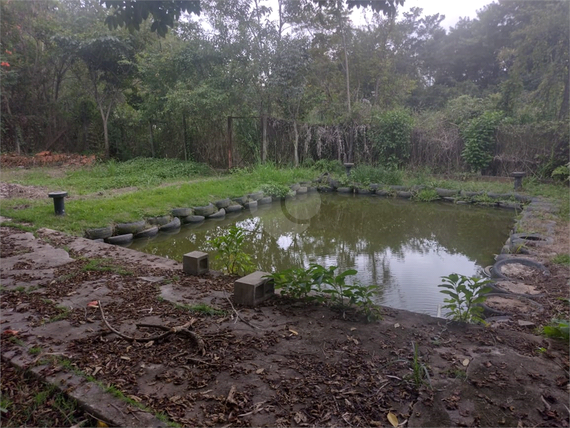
402 246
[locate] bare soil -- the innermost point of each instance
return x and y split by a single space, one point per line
284 363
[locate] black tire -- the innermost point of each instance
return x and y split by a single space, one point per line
344 190
181 212
364 191
223 203
250 205
301 190
234 208
99 233
192 219
382 192
149 233
133 227
265 200
240 199
255 196
295 187
404 195
220 214
159 221
496 272
125 239
490 311
442 193
205 210
174 224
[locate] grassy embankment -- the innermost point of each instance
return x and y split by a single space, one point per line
120 192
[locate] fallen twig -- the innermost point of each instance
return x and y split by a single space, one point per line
238 317
182 329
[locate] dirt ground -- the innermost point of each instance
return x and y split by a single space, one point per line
283 363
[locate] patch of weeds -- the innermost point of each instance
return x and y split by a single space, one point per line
63 314
457 374
16 341
104 265
558 329
426 195
36 350
276 190
206 309
20 289
5 403
561 259
420 374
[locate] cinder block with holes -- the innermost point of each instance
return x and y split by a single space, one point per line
195 263
253 289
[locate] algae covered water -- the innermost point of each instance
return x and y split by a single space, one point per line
403 247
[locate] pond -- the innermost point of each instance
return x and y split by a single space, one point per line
403 247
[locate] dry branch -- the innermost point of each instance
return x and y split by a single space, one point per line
182 329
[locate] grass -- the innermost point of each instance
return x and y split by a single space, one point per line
168 191
561 259
104 265
113 192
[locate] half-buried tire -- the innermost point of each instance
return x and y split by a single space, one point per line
173 225
124 239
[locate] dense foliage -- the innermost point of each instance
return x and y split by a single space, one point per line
308 80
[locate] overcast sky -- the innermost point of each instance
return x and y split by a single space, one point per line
452 9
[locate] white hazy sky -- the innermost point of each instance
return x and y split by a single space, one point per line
452 9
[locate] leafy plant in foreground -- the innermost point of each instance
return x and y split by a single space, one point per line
229 251
558 329
465 296
318 283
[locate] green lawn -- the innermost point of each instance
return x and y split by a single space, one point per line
115 192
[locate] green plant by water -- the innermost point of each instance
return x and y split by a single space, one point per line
321 284
229 251
466 294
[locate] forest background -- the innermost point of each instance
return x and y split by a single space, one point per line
244 84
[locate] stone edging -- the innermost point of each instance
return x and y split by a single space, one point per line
124 233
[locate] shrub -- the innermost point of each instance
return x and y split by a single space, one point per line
479 136
276 190
465 296
229 251
391 134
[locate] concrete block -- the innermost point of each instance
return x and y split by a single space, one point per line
253 289
195 263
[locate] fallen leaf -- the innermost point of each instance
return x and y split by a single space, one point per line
396 325
93 304
353 328
294 332
125 358
393 419
465 362
149 344
101 424
97 370
10 332
259 371
135 398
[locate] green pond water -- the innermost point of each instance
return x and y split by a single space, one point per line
403 247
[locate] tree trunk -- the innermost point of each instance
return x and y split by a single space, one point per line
263 138
563 113
295 143
185 134
151 139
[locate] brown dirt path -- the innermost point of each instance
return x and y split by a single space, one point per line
288 364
